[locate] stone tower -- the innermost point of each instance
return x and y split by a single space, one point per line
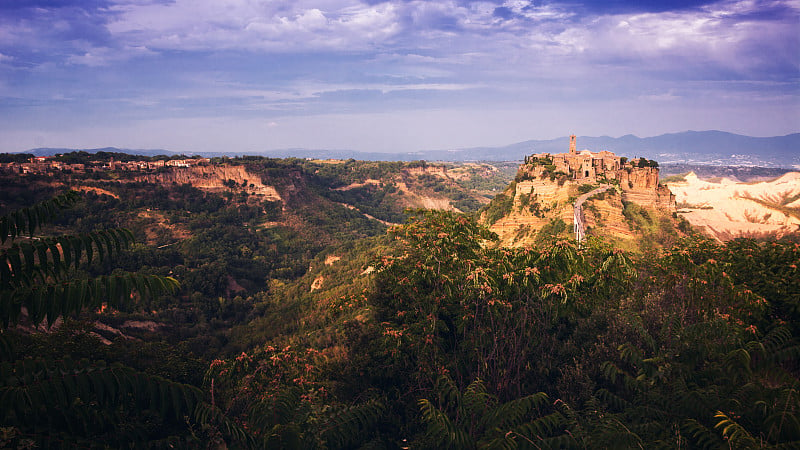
572 145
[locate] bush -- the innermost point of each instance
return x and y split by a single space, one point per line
498 208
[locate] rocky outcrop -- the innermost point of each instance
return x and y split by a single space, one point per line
436 170
535 204
539 197
640 185
215 178
545 191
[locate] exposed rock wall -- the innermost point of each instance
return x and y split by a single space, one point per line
640 185
436 170
213 178
520 226
544 190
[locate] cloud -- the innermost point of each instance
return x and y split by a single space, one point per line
663 97
721 39
254 25
104 56
728 35
261 61
640 6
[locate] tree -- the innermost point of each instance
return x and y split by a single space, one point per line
476 419
66 403
37 274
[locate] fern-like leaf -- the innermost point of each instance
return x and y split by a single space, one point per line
347 424
50 301
35 393
28 220
443 431
736 434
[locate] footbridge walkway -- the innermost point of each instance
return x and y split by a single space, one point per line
579 227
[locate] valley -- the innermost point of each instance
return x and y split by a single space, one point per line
354 304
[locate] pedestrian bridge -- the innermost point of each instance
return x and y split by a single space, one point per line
579 227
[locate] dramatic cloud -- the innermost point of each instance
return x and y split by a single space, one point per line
119 64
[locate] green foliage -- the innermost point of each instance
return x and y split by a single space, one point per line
445 303
38 275
79 402
668 390
276 393
674 178
58 402
644 162
476 419
27 220
432 336
536 161
638 217
499 207
551 231
6 158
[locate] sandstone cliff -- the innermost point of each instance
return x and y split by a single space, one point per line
605 214
640 185
213 178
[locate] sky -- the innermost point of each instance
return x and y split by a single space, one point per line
389 76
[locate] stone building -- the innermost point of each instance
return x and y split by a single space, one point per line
639 182
583 165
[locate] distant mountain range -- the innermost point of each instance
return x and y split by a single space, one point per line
689 147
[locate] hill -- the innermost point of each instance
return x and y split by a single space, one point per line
596 193
689 147
726 209
693 147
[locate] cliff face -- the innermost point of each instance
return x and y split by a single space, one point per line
535 203
213 178
640 185
414 196
435 170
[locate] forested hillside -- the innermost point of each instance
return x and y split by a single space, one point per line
306 319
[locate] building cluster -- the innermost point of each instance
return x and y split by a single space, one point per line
47 165
637 178
583 165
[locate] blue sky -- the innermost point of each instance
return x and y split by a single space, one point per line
401 75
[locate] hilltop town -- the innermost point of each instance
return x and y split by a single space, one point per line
547 185
42 165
